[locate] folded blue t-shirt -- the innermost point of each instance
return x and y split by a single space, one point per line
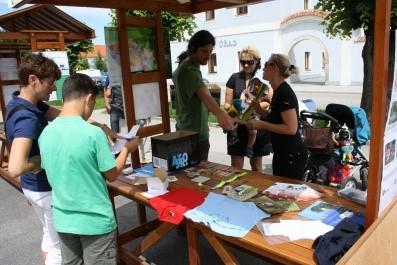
227 216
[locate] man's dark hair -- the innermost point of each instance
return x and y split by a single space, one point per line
181 57
77 86
38 65
200 39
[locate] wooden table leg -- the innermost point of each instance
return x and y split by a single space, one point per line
220 249
194 255
141 213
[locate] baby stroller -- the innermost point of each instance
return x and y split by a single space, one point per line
335 157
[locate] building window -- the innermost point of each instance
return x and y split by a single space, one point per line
242 10
323 60
212 63
307 61
305 4
210 15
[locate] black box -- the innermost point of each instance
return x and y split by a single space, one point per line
176 150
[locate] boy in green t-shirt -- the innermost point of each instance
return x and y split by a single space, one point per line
78 161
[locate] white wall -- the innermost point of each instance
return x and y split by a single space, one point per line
261 27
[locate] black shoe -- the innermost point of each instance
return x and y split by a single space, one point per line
249 151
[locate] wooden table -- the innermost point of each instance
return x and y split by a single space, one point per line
296 252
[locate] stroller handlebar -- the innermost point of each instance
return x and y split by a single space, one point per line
305 114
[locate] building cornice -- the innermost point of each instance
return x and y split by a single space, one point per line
305 15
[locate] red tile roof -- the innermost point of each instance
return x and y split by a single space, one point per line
97 48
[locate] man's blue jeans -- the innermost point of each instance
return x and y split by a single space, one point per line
115 116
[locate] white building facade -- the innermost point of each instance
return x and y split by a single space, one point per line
291 27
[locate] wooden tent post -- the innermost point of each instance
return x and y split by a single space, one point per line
162 66
135 78
379 95
126 74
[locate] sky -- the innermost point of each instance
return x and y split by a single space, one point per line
95 18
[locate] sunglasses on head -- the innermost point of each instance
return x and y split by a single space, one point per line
249 62
268 64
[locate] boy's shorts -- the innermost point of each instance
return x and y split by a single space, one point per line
89 249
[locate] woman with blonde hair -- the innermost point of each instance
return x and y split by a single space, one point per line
290 154
247 142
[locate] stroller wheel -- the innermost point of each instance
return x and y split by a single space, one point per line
364 178
349 183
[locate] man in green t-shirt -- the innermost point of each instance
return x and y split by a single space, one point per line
78 161
193 99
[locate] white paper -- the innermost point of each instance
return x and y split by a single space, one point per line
149 196
8 91
296 229
156 186
8 69
60 58
146 100
132 133
200 179
116 147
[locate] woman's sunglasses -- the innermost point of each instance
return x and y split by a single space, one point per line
268 64
249 62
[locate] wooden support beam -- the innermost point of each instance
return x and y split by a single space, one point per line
379 94
193 249
145 77
151 130
151 5
137 232
146 22
9 82
61 40
48 45
68 36
154 236
220 249
33 42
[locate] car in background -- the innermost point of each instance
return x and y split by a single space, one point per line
95 75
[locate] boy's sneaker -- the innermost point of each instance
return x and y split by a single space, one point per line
249 151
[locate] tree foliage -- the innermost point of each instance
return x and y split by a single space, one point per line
81 64
344 16
176 25
74 51
100 63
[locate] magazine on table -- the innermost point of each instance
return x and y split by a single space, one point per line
330 214
355 195
274 206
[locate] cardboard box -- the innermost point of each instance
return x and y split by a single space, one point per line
175 151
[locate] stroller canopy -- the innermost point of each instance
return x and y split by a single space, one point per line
354 117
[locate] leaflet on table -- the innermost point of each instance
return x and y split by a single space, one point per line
143 172
122 139
299 192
